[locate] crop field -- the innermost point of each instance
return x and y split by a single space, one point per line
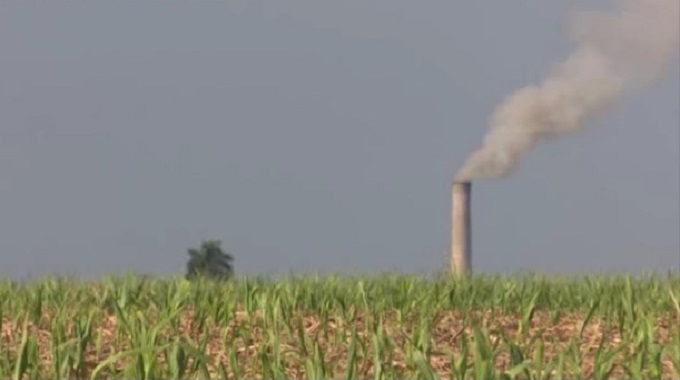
386 327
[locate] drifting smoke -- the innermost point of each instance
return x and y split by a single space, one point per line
615 53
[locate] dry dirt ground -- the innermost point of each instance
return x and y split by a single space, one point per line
446 331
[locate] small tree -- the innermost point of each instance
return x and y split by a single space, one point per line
209 261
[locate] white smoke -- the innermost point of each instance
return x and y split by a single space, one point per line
616 52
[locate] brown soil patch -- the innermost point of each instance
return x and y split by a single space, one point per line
250 337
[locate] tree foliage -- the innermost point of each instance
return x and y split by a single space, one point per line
209 261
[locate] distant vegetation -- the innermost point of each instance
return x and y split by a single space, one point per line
390 327
209 261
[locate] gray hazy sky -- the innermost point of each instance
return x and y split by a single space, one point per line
311 136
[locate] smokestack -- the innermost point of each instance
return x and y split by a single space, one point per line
461 234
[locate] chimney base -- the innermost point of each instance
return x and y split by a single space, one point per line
461 234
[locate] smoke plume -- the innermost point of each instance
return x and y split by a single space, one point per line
615 53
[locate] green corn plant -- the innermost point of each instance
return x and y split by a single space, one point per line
634 367
197 351
176 359
518 363
573 361
378 367
559 367
603 363
483 355
36 304
83 330
424 369
594 305
675 354
267 371
108 362
22 363
163 328
350 371
301 341
60 348
459 365
5 361
628 300
655 362
233 360
528 314
514 371
315 366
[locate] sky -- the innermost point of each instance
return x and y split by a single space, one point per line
311 137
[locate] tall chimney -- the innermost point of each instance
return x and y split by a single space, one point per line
461 234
